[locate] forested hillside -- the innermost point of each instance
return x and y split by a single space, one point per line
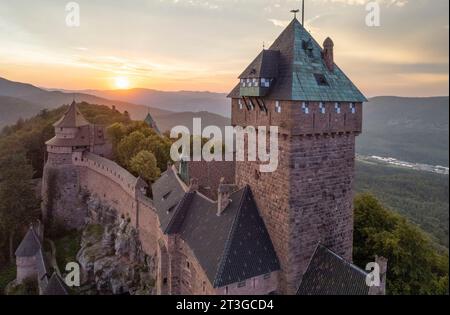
419 196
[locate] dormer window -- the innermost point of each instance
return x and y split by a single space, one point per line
166 196
277 107
322 108
320 79
353 108
337 108
305 108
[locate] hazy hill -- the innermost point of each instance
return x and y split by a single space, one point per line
181 101
11 109
410 129
41 98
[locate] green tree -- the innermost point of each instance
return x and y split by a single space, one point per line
129 146
18 202
414 265
144 164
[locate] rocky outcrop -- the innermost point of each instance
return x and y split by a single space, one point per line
111 256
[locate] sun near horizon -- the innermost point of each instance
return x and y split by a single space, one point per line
122 82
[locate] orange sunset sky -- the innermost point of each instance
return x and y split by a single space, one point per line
205 44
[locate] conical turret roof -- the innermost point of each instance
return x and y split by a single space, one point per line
72 118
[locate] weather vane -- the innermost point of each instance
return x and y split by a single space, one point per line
295 13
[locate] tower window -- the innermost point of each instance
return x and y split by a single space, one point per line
322 108
337 108
250 104
277 107
353 108
320 79
265 83
305 108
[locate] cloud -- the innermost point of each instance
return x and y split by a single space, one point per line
279 23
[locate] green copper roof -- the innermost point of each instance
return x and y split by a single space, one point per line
151 122
301 66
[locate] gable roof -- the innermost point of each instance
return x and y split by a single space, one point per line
232 247
72 118
330 274
300 61
56 286
30 245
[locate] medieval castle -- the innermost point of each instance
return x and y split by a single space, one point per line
286 232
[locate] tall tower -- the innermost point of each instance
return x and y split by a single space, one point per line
296 86
60 181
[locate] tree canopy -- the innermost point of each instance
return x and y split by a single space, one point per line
415 266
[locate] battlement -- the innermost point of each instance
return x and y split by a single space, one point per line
129 183
297 117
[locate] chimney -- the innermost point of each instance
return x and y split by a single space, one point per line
381 290
193 185
223 197
328 54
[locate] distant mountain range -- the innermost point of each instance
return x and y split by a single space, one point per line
181 101
409 129
21 100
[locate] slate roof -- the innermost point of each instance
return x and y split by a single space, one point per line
297 71
264 66
56 286
330 274
72 118
232 247
168 191
30 245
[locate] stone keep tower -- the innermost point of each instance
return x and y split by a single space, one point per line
60 185
296 86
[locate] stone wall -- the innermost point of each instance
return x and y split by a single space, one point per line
61 201
308 199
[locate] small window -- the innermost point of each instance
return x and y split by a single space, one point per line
277 107
226 290
305 108
165 196
165 281
322 108
251 106
241 106
188 265
337 107
265 83
255 82
353 108
320 79
241 284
